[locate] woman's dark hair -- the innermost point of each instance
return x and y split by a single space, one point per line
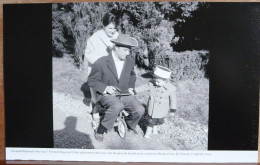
109 18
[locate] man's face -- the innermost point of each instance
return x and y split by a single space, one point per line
122 52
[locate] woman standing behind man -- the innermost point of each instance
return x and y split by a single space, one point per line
99 45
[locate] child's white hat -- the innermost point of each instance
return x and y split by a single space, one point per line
162 72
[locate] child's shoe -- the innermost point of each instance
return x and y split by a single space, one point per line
148 132
155 130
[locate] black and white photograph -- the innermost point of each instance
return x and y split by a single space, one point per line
121 79
132 81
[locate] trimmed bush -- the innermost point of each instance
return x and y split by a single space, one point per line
188 65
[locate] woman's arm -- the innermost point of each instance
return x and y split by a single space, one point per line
90 52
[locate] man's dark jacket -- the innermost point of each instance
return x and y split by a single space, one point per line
104 74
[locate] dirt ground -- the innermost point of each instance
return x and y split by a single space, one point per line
72 129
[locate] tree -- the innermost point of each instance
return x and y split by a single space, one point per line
151 23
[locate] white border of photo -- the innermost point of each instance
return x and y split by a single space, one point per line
53 154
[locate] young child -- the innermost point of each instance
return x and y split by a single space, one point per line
162 99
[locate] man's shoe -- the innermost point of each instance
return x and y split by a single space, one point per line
99 137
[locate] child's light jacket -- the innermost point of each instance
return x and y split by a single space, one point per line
161 99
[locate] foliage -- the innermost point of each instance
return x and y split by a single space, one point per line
188 65
151 23
58 39
198 38
78 22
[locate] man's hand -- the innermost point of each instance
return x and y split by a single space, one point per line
131 90
110 90
172 112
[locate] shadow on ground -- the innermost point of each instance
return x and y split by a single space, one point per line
69 137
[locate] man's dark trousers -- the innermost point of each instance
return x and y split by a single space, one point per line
115 105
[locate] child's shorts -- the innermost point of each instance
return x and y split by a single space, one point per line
155 121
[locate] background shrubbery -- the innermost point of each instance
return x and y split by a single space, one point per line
151 23
187 65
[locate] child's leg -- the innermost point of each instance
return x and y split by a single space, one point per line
149 129
155 127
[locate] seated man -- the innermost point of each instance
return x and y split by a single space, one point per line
115 73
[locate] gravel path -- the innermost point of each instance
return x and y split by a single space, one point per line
72 129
